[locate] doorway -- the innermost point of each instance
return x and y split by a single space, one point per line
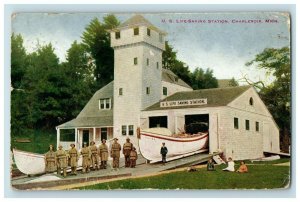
85 137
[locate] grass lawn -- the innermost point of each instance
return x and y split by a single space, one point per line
260 176
39 141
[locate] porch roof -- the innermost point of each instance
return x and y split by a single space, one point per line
88 122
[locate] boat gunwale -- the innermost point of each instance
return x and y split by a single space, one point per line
28 153
174 139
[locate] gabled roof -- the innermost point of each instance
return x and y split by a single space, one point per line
91 115
138 20
215 97
169 76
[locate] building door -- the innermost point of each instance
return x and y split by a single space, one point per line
85 137
266 137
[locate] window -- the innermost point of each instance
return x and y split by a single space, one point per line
136 31
165 91
124 130
157 65
147 90
257 126
118 35
236 123
147 61
135 61
148 32
176 79
120 91
105 103
251 101
130 129
160 38
247 123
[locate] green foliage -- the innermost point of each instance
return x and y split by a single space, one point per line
233 82
39 140
199 79
277 96
203 79
96 40
170 61
19 61
259 177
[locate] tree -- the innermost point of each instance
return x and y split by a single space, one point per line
80 70
19 61
96 40
277 95
170 61
203 79
47 89
233 82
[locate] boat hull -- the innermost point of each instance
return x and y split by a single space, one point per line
32 163
150 144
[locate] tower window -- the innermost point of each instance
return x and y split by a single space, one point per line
247 123
135 61
147 61
160 38
124 130
236 123
148 32
105 103
130 130
251 101
118 35
136 31
147 90
120 91
157 65
165 91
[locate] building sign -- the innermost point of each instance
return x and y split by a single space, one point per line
180 103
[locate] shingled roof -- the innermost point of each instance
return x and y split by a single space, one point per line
169 76
215 97
91 115
138 20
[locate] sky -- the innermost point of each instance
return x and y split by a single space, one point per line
223 42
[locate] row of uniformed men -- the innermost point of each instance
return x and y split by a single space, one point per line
58 161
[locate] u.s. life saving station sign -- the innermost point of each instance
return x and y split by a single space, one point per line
180 103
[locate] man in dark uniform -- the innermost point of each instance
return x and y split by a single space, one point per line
127 147
163 152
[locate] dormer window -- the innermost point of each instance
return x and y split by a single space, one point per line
148 32
118 35
176 79
105 103
251 101
136 31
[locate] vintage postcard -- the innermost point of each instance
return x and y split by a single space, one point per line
150 101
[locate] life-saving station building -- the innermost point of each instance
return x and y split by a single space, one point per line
145 95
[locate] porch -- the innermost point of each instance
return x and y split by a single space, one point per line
67 136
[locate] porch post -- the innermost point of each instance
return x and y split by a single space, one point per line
76 137
94 134
57 137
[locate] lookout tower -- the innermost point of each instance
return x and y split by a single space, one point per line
138 47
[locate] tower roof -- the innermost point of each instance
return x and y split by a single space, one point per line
138 20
